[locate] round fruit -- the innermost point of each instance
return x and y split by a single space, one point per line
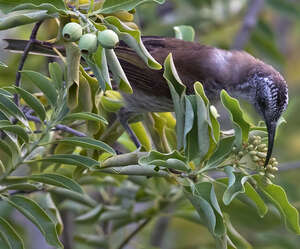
108 38
72 32
88 43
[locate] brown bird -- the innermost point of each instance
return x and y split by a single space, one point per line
239 73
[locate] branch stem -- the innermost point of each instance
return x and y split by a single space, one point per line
24 57
133 233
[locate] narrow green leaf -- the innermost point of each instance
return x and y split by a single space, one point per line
85 116
56 74
38 216
117 5
14 239
117 70
74 196
21 186
7 105
7 92
86 142
184 32
278 197
57 180
2 64
236 113
51 8
172 160
33 102
70 159
16 129
138 170
6 148
101 62
44 84
90 216
177 89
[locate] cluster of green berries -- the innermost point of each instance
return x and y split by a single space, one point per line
257 150
88 43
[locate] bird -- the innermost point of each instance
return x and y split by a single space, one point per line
242 75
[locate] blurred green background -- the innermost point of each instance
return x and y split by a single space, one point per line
274 39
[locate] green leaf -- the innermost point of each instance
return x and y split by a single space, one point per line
223 150
7 92
33 102
177 89
250 197
56 74
203 198
37 216
22 17
70 159
172 160
184 32
236 113
50 8
235 185
117 5
6 148
12 237
85 116
118 73
44 84
237 239
16 129
2 64
101 62
90 60
7 105
6 6
278 197
290 9
138 170
133 39
90 216
86 142
57 180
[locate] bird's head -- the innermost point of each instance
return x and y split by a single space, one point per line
271 99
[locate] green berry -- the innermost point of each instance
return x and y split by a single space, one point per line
256 159
88 43
253 152
108 38
72 31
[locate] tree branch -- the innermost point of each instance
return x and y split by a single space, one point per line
250 20
24 57
57 127
134 232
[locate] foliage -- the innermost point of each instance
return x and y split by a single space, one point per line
62 143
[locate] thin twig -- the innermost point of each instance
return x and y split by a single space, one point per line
250 20
24 57
57 127
134 232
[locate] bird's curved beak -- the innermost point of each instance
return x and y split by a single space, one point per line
271 127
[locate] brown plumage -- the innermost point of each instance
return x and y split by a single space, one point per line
239 73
